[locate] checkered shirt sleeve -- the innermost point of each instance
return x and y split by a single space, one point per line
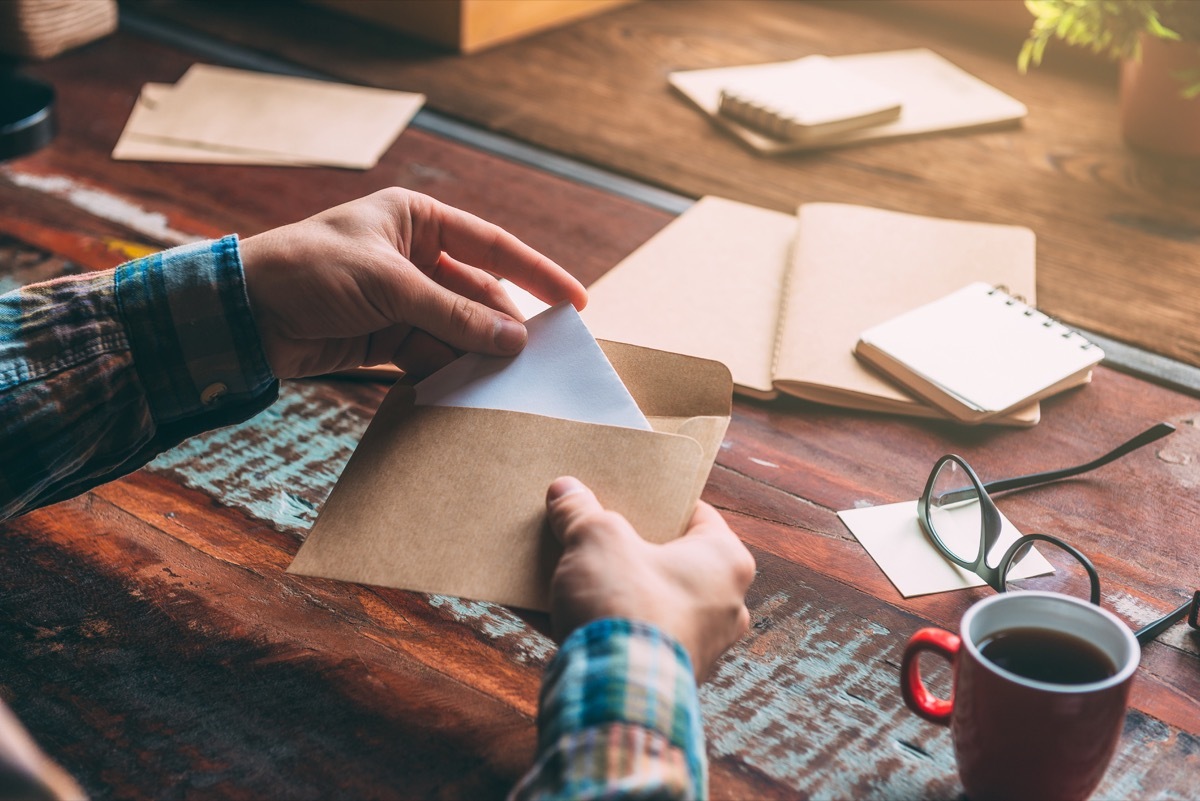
618 716
101 372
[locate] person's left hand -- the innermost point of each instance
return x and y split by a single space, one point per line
392 277
692 588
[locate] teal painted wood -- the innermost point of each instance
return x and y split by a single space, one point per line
500 624
810 699
281 465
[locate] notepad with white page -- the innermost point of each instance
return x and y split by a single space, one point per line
936 95
979 352
807 98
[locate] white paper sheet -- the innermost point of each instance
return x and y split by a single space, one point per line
893 537
561 373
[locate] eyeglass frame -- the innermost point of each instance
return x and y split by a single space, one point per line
991 525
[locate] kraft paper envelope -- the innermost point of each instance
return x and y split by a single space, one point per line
282 118
452 500
133 146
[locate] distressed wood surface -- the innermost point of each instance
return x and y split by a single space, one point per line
1107 220
156 647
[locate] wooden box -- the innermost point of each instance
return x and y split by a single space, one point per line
42 29
470 25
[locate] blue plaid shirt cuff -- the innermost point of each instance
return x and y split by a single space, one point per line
619 715
101 372
191 330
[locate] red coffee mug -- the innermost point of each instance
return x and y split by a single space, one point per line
1015 737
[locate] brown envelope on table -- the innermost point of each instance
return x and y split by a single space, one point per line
452 500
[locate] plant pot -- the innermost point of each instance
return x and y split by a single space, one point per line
1154 114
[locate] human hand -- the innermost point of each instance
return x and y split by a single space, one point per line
692 588
392 277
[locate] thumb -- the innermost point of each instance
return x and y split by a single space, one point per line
567 502
465 324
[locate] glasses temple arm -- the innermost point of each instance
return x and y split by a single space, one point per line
1145 438
1150 631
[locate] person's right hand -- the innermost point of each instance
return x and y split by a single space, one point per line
392 277
692 588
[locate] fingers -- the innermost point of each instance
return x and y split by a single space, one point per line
575 514
709 527
489 247
420 354
473 284
463 323
568 501
705 515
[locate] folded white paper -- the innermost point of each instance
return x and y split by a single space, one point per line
561 373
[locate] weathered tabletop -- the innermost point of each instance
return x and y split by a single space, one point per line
155 646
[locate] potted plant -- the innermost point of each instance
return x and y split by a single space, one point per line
1158 45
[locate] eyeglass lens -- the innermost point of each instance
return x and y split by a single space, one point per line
956 517
1054 568
955 511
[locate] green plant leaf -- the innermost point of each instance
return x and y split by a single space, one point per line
1110 27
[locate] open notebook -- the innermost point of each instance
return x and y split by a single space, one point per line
781 299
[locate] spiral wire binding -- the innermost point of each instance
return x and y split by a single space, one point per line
1031 312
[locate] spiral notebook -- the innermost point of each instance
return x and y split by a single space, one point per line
935 95
807 98
978 353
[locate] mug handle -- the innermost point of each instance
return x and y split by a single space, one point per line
916 694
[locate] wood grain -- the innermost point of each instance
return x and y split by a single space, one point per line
157 648
1117 232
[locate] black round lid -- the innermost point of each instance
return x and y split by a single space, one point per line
26 115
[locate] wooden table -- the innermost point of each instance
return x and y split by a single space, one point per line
1118 233
156 647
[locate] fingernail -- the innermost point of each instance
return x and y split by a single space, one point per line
509 336
562 487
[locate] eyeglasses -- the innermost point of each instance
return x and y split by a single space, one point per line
963 523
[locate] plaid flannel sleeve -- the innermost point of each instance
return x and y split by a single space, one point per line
101 372
618 716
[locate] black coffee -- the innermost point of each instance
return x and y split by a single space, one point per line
1050 656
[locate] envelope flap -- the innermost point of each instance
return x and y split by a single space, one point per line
671 384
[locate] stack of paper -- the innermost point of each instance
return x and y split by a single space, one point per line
217 115
851 98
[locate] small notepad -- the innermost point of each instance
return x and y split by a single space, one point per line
936 96
978 353
807 98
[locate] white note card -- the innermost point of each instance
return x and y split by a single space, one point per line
893 537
